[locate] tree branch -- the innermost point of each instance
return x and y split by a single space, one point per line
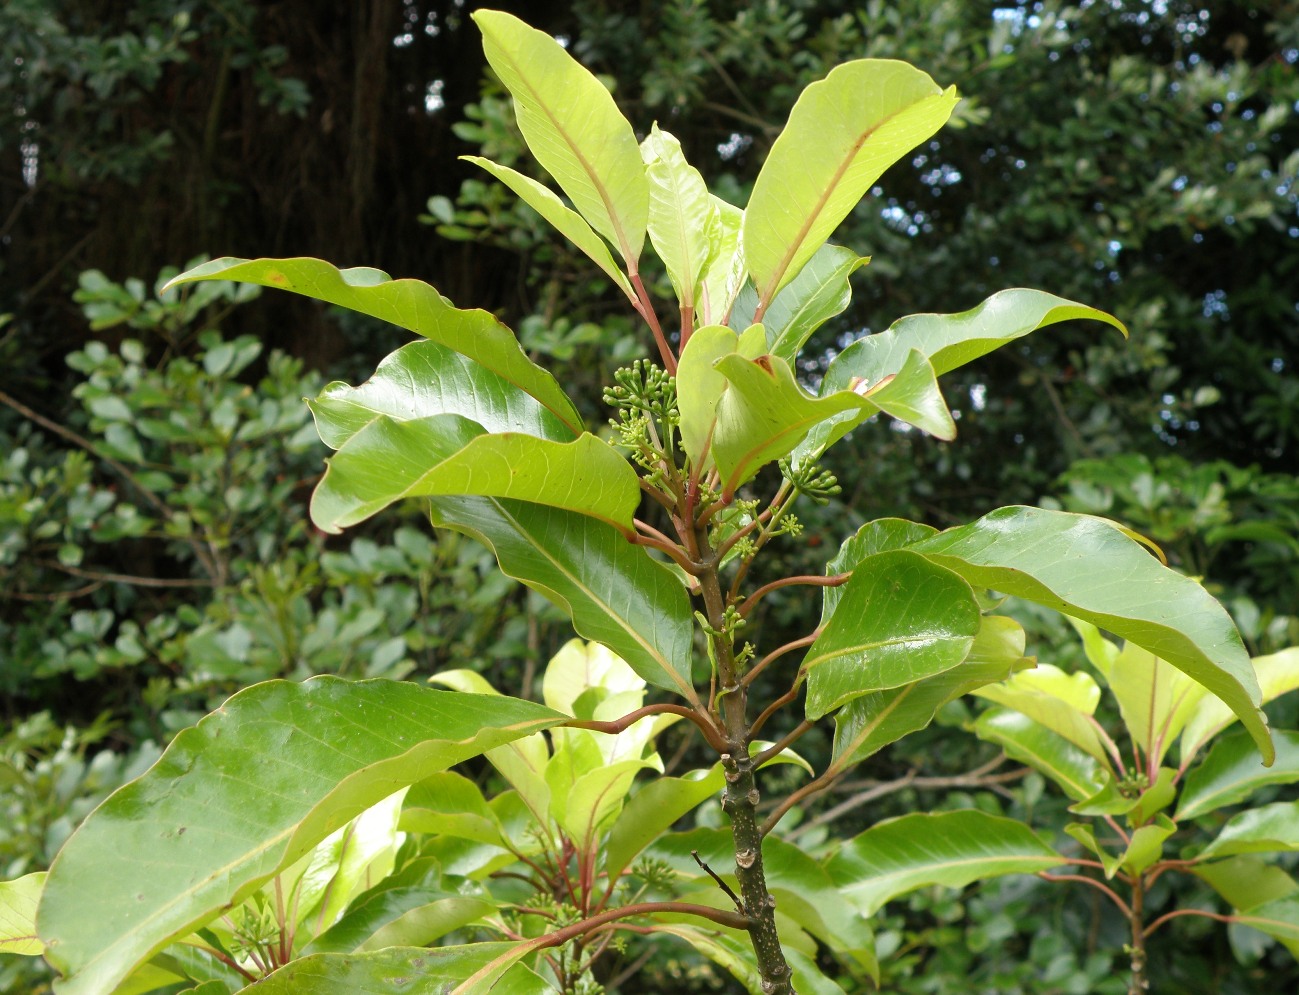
1188 912
807 580
1098 885
615 726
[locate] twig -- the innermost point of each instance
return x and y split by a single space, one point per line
1188 912
114 578
615 726
739 906
1099 886
783 744
823 783
808 580
777 653
774 707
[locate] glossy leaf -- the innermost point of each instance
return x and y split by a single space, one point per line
1278 674
449 455
819 292
1269 829
1113 800
573 127
18 899
950 849
1246 882
1083 567
879 536
764 414
401 971
1062 702
1079 774
952 340
678 202
653 810
867 724
561 217
700 386
842 133
900 619
316 754
613 591
407 304
425 378
1233 770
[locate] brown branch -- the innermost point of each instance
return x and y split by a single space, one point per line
646 309
823 783
783 744
807 580
739 905
1099 886
777 653
615 726
114 578
671 550
1188 912
79 592
774 707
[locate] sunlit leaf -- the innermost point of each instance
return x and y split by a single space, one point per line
1233 770
700 385
1062 702
678 202
1079 774
18 899
1268 829
1278 674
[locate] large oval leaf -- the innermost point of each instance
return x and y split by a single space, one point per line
1233 770
408 304
843 132
900 619
1269 829
425 378
1087 568
241 796
950 849
573 127
612 590
1278 674
446 454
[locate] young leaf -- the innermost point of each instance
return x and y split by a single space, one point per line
764 414
613 591
1083 567
1233 770
1278 674
425 378
724 272
315 755
562 218
407 304
652 810
678 202
700 386
900 619
867 724
574 129
879 536
819 292
1079 774
1062 702
18 899
449 455
843 132
950 849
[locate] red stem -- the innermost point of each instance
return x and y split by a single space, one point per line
807 580
646 310
1188 912
1084 879
615 726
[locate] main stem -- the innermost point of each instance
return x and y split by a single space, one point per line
740 797
1139 984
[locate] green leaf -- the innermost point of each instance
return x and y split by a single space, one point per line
612 590
1147 844
952 340
1268 829
1279 918
1155 699
653 810
401 971
1233 770
764 414
1079 775
18 900
1246 882
900 619
867 724
408 304
573 127
819 292
842 134
724 273
950 849
449 803
700 386
1084 567
879 536
168 851
443 455
583 801
422 379
678 203
1062 702
1277 674
561 217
